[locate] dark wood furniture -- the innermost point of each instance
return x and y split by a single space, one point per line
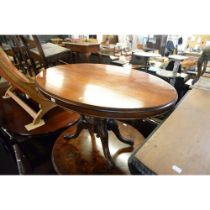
181 144
84 154
142 58
19 81
13 118
18 54
102 93
158 43
30 149
25 63
83 47
47 54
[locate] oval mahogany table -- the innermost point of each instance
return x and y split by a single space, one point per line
102 93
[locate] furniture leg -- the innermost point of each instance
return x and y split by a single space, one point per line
97 126
112 125
6 95
82 124
87 57
102 132
147 64
37 116
99 58
100 127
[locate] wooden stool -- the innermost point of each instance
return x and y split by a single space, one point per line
84 155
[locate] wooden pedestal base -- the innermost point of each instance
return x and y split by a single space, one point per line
100 127
84 154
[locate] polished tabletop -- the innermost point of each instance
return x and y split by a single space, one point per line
106 90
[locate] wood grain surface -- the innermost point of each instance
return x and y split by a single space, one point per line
106 90
181 144
84 47
84 155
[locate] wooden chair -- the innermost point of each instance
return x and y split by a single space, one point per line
19 56
27 86
25 63
7 44
47 54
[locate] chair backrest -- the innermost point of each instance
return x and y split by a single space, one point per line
10 72
26 64
8 46
19 80
41 52
19 52
35 43
47 54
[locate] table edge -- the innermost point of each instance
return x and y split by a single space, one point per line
99 111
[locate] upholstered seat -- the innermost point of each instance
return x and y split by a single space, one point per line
51 52
47 54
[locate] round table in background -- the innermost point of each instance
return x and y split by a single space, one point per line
104 93
170 74
146 55
177 60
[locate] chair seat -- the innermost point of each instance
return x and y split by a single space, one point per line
51 50
52 54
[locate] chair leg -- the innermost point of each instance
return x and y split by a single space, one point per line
38 121
6 95
37 117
